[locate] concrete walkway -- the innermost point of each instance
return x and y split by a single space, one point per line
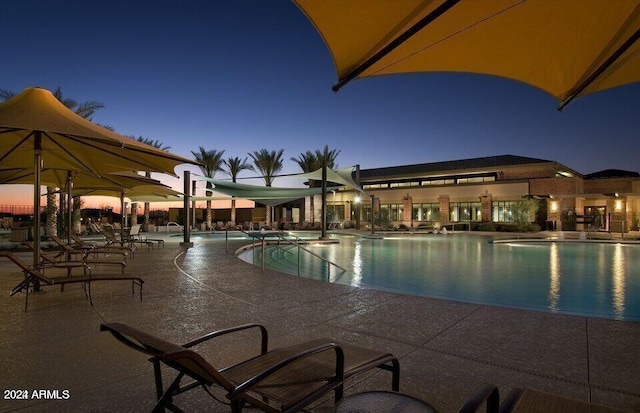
447 350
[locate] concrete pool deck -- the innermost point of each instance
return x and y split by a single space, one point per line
447 349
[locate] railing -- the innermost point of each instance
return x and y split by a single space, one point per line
295 243
175 224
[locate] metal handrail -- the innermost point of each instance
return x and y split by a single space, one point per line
176 224
296 244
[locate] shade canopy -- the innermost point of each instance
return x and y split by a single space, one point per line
274 195
36 120
262 194
339 176
38 130
138 193
57 178
567 48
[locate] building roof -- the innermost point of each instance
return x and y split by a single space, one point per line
448 166
612 173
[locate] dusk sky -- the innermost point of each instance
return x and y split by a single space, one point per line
240 76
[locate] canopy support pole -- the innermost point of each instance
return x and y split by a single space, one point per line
323 218
600 70
37 161
193 206
425 21
69 208
187 218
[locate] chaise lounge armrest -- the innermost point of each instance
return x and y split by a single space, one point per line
339 375
263 333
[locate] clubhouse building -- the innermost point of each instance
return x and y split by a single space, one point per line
483 190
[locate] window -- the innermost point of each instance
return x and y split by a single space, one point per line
465 211
501 211
426 212
395 211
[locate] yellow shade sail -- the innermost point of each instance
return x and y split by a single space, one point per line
564 47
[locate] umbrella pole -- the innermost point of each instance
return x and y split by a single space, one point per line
323 218
36 203
69 209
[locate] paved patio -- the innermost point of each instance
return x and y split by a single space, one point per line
446 349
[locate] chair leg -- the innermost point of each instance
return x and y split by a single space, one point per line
236 406
166 400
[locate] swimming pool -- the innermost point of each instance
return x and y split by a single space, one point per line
600 280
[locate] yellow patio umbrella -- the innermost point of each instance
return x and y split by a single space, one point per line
59 178
139 193
566 48
36 129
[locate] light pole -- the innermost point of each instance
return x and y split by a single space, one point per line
357 202
372 221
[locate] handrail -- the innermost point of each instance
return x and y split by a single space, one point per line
295 244
176 224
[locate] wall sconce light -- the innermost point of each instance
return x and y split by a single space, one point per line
554 206
618 205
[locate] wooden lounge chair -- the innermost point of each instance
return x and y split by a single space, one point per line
32 277
280 380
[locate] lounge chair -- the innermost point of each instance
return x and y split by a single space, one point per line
529 400
94 248
136 236
112 239
280 380
49 259
68 249
33 277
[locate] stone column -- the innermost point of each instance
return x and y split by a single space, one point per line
485 207
407 210
444 208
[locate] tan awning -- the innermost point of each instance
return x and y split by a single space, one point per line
567 48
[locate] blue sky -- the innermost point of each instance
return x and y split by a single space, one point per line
244 75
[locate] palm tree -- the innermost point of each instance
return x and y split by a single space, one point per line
267 164
309 162
235 165
159 145
211 161
86 110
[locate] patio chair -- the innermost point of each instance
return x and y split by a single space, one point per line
94 248
112 239
68 249
56 259
135 236
281 380
33 277
141 237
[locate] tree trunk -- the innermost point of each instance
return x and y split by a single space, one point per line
76 215
51 212
146 216
233 211
209 215
134 214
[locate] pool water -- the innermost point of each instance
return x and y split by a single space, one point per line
600 280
